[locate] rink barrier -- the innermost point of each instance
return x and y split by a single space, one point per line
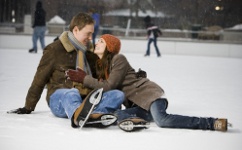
131 45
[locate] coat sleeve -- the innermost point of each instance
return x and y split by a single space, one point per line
159 32
41 77
116 77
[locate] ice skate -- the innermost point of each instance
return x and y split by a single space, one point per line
101 120
133 124
221 125
82 113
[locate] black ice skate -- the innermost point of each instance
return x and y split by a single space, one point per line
101 120
82 113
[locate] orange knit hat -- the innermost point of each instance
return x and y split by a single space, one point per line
113 43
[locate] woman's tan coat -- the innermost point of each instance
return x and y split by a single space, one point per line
140 91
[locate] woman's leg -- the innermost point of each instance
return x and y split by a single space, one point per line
134 112
132 119
162 119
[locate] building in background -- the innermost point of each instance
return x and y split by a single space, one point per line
185 13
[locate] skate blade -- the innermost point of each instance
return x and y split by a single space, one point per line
83 122
96 96
94 99
105 120
130 126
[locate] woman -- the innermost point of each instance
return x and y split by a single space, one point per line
145 99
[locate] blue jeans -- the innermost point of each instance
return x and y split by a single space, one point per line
94 35
158 114
39 33
64 102
155 45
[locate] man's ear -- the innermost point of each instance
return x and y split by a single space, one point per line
75 29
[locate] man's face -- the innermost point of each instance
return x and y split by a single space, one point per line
85 34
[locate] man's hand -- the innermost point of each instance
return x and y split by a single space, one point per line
76 75
20 111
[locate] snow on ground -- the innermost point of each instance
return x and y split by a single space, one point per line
194 85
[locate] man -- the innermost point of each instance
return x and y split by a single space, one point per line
64 97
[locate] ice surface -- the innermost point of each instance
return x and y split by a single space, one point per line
194 85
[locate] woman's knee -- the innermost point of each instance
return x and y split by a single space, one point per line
158 112
160 104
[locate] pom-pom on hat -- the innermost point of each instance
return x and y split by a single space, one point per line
113 43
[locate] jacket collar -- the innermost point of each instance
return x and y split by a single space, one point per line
66 42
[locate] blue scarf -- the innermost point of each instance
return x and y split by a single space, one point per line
81 60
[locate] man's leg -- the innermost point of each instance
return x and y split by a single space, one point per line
64 102
110 102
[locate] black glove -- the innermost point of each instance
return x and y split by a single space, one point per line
20 111
76 75
141 73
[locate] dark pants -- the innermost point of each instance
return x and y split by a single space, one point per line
155 45
158 114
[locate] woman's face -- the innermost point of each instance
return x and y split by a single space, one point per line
100 47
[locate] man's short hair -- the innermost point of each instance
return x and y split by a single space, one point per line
81 20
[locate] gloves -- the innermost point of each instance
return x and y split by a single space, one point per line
20 111
141 73
76 75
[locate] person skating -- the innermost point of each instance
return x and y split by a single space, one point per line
39 27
